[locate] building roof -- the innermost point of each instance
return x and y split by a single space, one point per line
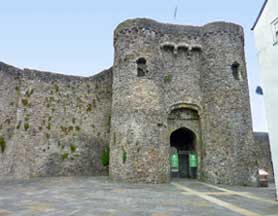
259 16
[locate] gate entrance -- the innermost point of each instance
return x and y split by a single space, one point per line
183 142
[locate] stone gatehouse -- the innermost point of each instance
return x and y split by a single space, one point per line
172 87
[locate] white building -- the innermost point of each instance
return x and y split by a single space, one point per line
266 36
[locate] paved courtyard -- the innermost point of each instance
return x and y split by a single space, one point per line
89 196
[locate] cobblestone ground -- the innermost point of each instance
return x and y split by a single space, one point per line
89 196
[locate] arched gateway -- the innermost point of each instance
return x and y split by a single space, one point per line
185 143
165 79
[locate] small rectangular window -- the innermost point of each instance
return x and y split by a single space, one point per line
275 30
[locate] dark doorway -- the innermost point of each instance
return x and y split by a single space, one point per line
183 141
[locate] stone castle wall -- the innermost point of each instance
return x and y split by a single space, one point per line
165 77
186 67
53 124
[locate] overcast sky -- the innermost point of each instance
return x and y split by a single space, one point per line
76 36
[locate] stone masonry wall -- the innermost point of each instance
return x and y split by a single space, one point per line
9 94
53 124
264 155
226 116
184 67
139 151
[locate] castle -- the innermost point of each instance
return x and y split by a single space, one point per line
170 87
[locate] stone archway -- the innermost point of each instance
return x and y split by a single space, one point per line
185 140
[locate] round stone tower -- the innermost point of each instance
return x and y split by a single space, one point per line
138 152
226 119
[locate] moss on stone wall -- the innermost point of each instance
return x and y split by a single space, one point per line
77 128
48 126
56 87
53 122
26 126
89 108
104 157
72 148
2 144
65 156
18 125
168 78
25 101
124 155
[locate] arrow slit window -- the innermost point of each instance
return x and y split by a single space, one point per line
235 71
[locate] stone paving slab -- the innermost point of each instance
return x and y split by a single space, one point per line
256 206
98 196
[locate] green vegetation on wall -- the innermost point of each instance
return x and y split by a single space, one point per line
72 148
124 156
56 88
2 144
77 128
66 130
89 108
18 125
26 126
26 118
168 78
109 120
25 101
104 157
65 156
48 126
94 103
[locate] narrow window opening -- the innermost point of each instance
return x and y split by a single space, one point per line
141 67
235 70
